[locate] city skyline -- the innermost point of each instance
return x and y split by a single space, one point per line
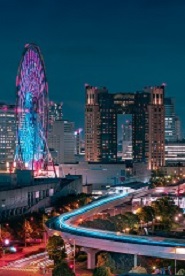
92 155
123 45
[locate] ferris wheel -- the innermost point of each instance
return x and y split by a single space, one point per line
31 110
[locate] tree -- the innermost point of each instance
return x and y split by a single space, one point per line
6 232
105 260
62 269
157 173
166 209
100 224
132 219
101 271
146 213
118 222
56 249
128 220
158 179
27 228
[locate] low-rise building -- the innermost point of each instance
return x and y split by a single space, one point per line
20 192
175 152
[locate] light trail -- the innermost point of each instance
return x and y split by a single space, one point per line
63 223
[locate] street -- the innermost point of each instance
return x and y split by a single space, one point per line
10 257
28 266
33 265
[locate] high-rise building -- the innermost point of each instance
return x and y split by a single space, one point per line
68 142
156 125
127 140
92 123
127 131
7 134
147 109
175 153
178 130
54 130
55 141
54 113
140 126
61 141
170 134
78 139
61 138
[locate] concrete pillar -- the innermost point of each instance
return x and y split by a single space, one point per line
91 260
135 260
91 257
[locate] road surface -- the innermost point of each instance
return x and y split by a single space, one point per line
34 265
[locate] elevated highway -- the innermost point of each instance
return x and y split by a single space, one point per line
67 225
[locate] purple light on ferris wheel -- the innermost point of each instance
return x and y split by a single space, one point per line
31 109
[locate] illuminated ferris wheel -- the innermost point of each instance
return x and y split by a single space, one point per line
32 110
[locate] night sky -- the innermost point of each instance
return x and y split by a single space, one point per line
121 44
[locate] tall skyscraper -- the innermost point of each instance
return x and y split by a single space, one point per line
156 127
140 126
127 140
68 142
178 129
55 112
7 134
78 140
147 109
61 141
93 140
127 131
170 133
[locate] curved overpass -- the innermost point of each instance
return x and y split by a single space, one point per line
95 240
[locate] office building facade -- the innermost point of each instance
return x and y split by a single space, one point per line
7 135
68 142
61 141
54 113
156 126
127 140
175 153
170 134
178 129
147 109
78 141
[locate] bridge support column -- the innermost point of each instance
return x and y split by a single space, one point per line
91 262
91 257
135 260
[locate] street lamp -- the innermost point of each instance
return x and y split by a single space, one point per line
175 260
6 241
44 237
24 232
74 254
26 225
